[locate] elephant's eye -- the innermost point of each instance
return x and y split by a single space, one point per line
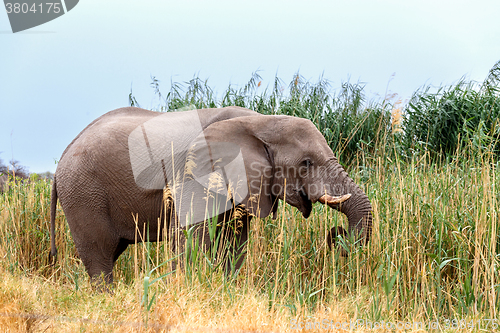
307 163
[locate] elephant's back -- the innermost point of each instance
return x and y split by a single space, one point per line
121 119
99 153
210 116
117 125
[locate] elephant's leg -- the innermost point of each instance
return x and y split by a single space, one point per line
97 261
236 236
184 240
98 247
122 246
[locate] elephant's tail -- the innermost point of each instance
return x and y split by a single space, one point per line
53 211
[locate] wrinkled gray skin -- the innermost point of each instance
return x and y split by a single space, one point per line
95 184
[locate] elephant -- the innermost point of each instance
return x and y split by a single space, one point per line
112 179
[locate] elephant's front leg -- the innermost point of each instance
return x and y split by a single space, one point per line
235 235
218 238
183 239
188 243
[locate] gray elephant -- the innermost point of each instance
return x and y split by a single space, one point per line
213 163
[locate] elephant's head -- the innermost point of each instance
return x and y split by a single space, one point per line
287 158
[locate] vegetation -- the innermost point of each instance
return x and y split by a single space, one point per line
347 122
447 120
433 257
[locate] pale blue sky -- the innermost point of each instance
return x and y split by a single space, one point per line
56 78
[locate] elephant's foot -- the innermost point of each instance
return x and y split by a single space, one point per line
102 283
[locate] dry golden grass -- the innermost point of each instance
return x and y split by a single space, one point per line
37 305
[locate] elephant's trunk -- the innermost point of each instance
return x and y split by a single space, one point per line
354 204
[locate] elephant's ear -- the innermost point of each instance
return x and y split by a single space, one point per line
249 160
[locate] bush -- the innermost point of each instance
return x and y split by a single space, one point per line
453 117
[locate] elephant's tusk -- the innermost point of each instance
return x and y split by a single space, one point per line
328 199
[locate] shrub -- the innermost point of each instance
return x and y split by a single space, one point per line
469 111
